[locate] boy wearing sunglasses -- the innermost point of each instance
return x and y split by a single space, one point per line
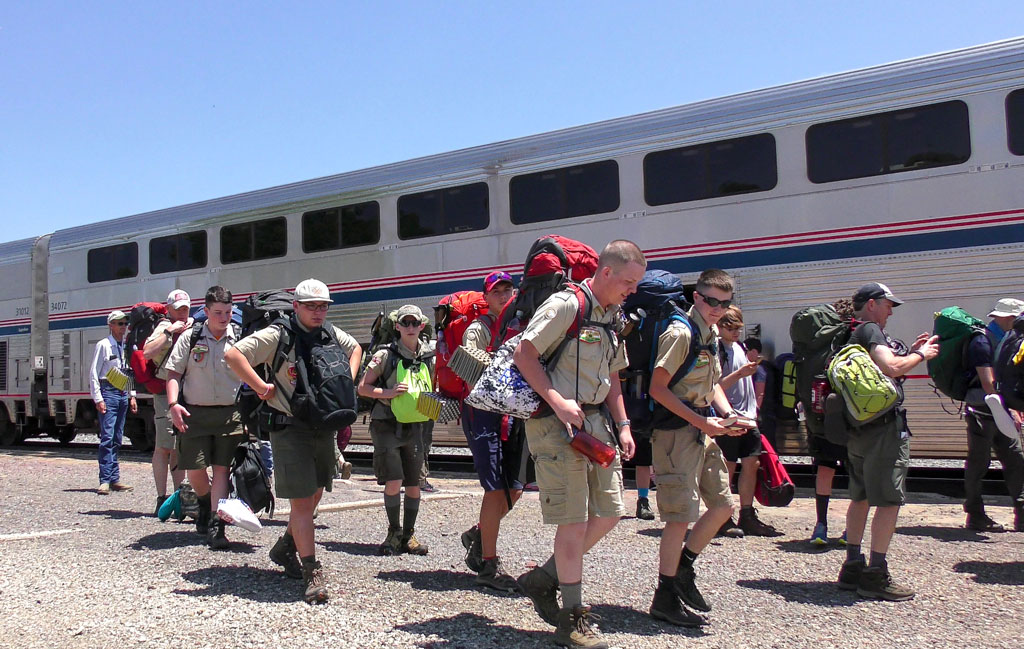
113 398
395 377
687 460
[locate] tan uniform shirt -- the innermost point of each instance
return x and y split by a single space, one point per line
478 334
600 351
206 379
698 386
380 362
259 348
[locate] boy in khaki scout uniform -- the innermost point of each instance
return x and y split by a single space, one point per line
156 349
687 460
304 460
398 448
201 404
571 487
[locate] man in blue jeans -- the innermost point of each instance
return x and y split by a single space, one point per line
113 393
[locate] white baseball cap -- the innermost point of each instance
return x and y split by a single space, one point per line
312 290
178 298
1007 306
116 316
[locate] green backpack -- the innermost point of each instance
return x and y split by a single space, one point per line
949 370
817 333
867 393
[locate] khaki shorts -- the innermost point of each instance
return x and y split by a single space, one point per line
398 455
304 461
164 427
572 489
689 466
213 434
878 462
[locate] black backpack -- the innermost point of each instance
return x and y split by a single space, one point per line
1010 375
261 309
142 321
772 406
250 481
658 301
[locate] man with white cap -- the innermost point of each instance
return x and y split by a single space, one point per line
113 393
156 349
982 433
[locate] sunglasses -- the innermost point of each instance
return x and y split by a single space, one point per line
714 302
409 322
121 324
315 307
730 327
496 277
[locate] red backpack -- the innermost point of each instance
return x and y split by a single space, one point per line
142 321
774 487
452 316
553 263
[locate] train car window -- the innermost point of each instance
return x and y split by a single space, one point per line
901 140
113 262
341 227
737 166
177 252
564 193
443 211
254 240
1015 121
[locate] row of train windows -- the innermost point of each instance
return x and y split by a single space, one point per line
884 143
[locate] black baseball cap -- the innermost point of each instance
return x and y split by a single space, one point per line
875 291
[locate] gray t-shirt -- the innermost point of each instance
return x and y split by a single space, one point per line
741 394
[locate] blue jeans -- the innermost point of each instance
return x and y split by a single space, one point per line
111 433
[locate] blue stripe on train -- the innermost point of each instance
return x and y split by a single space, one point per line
948 240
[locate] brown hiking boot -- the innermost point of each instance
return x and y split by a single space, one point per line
875 583
412 546
392 544
474 550
493 575
316 582
574 629
542 589
286 555
753 526
120 486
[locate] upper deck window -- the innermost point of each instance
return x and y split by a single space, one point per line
443 211
113 262
901 140
1015 121
564 193
177 252
254 240
341 227
737 166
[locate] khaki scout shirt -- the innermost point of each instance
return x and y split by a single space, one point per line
478 334
259 348
600 351
380 361
206 379
698 386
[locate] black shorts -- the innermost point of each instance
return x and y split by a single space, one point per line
735 449
497 461
643 456
825 453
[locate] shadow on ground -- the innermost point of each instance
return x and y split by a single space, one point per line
432 580
1010 573
612 618
802 546
256 584
116 514
945 534
185 537
820 593
351 547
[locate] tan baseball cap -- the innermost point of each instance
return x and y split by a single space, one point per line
178 298
116 316
312 290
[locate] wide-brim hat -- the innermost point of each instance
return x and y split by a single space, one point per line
408 310
1007 306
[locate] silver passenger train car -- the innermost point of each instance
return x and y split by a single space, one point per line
910 173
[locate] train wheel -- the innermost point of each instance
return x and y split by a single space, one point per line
9 433
65 434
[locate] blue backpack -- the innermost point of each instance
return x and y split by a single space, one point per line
658 302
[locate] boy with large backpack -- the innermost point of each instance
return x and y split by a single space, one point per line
583 498
395 377
309 397
495 453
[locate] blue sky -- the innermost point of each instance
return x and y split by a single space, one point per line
114 108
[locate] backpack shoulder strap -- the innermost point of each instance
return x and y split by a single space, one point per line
695 348
194 335
285 343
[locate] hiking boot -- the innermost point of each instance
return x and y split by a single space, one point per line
316 582
542 589
286 555
426 487
103 489
730 530
411 546
120 486
493 575
667 608
215 535
203 518
159 503
686 588
392 544
574 629
982 523
344 470
875 583
643 509
474 550
849 574
819 536
753 526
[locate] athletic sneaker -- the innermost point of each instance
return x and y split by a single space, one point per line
875 583
820 535
643 509
982 523
729 529
542 589
686 588
574 629
493 575
426 487
474 550
284 554
850 573
667 608
842 539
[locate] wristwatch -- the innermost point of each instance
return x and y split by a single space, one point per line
622 424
